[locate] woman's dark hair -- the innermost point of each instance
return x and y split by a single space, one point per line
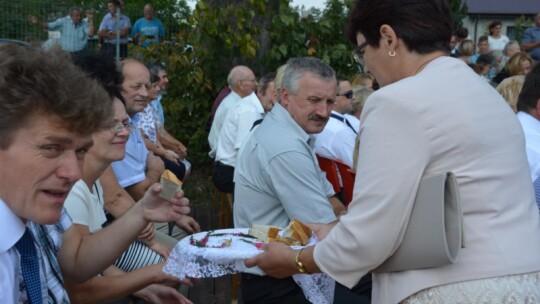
494 24
530 93
424 25
103 68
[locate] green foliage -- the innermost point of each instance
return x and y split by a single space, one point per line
459 12
197 73
224 36
521 25
261 34
319 34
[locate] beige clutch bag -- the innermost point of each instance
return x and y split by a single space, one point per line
434 234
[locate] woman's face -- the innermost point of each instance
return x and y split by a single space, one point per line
496 30
524 67
376 62
110 144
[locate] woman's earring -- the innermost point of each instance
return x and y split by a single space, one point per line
392 53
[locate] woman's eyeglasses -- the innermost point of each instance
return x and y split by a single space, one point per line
358 55
117 128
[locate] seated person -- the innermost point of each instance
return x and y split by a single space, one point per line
85 205
519 64
47 131
139 169
510 89
150 126
166 139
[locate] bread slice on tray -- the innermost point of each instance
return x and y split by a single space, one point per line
294 235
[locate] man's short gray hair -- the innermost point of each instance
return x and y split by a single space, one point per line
297 67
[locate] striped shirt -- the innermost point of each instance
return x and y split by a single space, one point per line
73 38
49 240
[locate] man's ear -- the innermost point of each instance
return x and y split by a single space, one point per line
537 109
284 98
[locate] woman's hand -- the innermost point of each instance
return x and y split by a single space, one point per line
156 209
162 249
171 155
147 234
277 260
159 294
189 224
322 230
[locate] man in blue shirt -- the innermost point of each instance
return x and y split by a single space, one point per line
74 31
148 29
112 23
530 41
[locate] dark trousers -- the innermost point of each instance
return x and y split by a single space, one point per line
222 176
110 48
178 168
266 290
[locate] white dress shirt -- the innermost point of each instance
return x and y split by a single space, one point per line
531 128
13 229
219 119
236 127
336 141
355 122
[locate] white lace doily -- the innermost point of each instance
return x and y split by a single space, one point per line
191 261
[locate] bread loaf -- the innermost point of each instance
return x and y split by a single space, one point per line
264 233
170 185
169 176
298 231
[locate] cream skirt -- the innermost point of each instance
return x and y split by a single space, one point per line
521 288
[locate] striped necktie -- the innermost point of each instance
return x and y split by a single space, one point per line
30 267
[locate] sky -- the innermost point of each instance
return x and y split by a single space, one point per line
309 3
306 3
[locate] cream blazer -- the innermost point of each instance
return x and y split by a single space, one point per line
444 118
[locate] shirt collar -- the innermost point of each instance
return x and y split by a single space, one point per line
255 101
13 227
530 121
338 114
281 114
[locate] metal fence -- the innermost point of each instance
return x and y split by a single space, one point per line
14 23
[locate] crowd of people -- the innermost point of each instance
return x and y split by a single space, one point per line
114 32
88 224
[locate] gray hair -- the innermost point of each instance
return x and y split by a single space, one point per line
509 45
297 67
265 81
74 9
155 68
